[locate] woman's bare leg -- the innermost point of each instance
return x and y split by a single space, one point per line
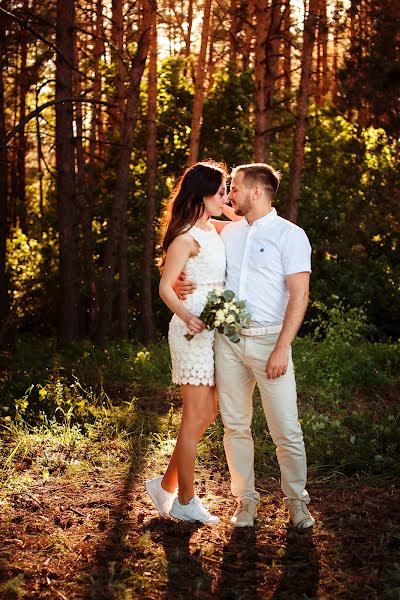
199 411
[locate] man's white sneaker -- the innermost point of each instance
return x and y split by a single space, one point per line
299 514
162 499
245 513
193 511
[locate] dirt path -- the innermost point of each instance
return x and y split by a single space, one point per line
96 535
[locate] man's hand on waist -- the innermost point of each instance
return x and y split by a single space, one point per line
183 288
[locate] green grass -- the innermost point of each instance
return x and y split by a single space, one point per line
64 409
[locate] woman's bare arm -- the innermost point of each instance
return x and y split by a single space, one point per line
180 250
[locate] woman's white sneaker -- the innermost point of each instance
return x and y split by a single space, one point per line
193 511
299 514
162 499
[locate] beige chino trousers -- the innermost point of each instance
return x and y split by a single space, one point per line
238 368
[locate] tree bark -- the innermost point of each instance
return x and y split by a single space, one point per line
297 161
4 297
287 55
119 209
151 181
68 326
198 101
21 148
273 43
262 24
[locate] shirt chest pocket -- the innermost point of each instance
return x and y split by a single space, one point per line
265 257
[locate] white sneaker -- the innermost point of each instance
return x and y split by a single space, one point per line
193 511
299 514
162 499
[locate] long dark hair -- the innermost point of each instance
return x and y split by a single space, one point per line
185 205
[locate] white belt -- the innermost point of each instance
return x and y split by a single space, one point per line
253 331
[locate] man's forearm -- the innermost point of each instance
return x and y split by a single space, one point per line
294 316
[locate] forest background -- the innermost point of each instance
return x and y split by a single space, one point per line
102 106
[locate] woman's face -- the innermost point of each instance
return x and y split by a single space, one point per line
213 204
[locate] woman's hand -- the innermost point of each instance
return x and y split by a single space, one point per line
194 324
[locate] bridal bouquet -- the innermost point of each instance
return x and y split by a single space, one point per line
225 313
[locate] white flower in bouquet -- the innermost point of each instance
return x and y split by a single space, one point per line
225 313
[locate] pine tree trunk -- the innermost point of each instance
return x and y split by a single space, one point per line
262 24
273 43
21 147
151 181
287 55
198 101
4 298
188 35
119 208
302 105
68 326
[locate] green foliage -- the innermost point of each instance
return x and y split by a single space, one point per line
350 208
227 133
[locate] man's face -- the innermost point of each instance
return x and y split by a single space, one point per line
240 195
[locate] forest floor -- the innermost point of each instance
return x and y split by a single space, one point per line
93 533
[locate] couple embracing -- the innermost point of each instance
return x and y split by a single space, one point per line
266 261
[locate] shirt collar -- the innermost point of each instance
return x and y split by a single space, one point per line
265 220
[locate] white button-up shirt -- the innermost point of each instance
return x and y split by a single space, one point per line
259 258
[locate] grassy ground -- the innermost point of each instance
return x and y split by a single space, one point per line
76 449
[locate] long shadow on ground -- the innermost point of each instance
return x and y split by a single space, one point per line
186 577
239 576
300 577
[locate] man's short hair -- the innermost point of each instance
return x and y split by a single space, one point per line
259 174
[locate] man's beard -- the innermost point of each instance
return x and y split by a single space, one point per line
244 208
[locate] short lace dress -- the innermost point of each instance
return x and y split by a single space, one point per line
193 360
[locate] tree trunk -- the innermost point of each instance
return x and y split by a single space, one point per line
324 32
21 148
287 55
297 161
188 35
197 115
148 251
68 326
4 298
117 39
119 208
273 43
262 24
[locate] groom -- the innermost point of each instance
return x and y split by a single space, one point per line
268 265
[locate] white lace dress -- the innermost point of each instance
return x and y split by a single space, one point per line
193 360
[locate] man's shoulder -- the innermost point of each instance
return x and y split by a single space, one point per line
287 226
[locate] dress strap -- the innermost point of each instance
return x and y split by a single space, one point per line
198 234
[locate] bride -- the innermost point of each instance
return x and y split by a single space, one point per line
191 245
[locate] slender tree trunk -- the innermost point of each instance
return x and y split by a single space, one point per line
287 55
297 161
324 31
197 115
273 43
262 25
4 298
151 181
68 326
119 209
117 38
21 148
188 35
